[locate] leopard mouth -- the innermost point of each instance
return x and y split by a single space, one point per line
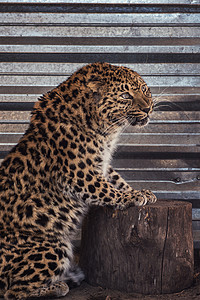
137 121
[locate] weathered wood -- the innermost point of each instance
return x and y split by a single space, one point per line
146 249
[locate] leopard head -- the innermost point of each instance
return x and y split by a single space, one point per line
99 96
120 94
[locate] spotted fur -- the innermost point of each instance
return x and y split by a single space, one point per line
59 168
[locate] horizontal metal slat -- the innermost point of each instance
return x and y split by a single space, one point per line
175 177
16 106
100 41
18 98
18 90
98 8
10 137
99 49
196 238
14 117
100 18
182 165
158 151
166 127
61 69
94 57
172 117
99 31
161 151
130 139
160 81
13 127
190 195
165 185
195 214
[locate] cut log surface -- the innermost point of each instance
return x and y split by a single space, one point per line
146 249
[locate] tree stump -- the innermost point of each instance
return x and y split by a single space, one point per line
146 250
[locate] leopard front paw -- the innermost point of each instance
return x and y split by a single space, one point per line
150 196
134 198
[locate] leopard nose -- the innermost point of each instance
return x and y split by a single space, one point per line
146 110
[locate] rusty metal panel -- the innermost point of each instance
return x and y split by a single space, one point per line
44 42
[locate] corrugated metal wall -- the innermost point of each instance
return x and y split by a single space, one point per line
42 43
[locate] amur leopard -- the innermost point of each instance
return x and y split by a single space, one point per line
61 167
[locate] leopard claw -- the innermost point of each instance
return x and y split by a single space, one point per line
150 196
140 199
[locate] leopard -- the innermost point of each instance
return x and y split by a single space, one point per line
61 167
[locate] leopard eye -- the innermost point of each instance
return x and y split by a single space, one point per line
126 96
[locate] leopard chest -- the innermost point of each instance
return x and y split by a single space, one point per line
108 150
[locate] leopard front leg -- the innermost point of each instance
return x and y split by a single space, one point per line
96 190
119 183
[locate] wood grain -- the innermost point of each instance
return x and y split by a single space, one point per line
146 249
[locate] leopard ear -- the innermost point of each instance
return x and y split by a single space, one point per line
95 82
94 78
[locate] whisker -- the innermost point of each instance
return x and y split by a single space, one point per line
161 104
162 100
127 125
156 99
113 125
164 90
